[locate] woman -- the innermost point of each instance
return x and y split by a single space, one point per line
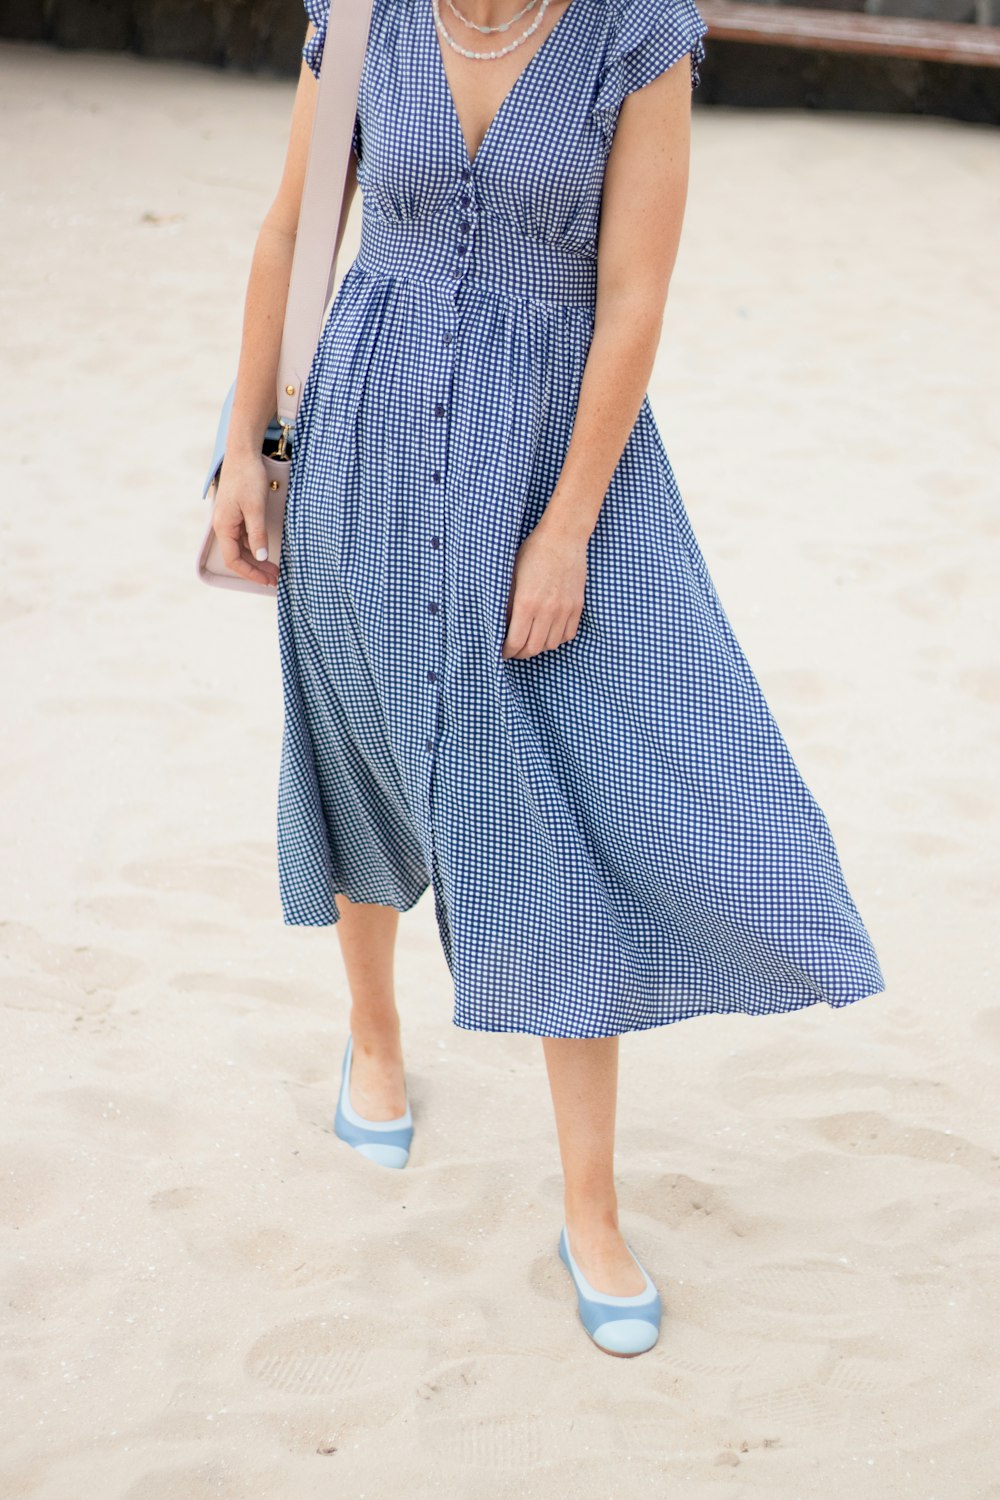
507 672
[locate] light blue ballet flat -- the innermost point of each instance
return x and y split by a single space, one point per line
384 1141
618 1325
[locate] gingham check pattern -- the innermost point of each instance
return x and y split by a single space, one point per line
614 831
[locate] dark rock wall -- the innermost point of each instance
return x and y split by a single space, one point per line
267 35
976 12
250 34
769 77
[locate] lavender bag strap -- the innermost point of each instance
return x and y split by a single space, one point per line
320 231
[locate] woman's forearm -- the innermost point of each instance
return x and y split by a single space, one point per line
615 379
255 398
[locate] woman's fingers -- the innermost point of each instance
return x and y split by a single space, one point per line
571 625
255 572
229 530
256 529
528 633
546 595
235 541
521 629
256 532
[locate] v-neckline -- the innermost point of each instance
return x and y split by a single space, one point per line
435 41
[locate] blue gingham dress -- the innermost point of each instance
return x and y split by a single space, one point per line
614 830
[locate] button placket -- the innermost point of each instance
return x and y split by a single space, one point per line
437 483
439 450
435 578
435 677
465 225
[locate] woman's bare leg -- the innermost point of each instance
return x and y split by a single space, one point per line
367 936
583 1079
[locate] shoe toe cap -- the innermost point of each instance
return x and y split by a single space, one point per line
386 1156
626 1335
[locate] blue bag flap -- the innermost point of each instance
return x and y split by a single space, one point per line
219 451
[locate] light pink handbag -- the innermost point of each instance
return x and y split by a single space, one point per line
314 268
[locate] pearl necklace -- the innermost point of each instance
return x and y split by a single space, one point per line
502 51
505 26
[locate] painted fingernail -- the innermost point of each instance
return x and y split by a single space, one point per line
261 554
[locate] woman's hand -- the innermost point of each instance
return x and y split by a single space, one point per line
546 593
238 517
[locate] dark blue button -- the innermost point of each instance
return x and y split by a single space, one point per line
433 607
439 410
435 541
465 200
429 744
449 338
462 249
466 174
431 676
464 226
437 476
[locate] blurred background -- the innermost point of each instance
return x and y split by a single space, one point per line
939 57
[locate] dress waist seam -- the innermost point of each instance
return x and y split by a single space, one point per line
446 286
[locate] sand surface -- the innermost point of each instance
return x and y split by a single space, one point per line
205 1293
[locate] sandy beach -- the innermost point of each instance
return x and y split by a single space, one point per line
207 1296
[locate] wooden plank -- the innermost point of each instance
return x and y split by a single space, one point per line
850 31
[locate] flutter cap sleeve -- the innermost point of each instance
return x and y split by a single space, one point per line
317 11
648 37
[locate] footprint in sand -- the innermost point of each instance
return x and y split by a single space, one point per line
981 682
226 877
674 1200
495 1442
868 1133
177 1199
314 1357
245 987
122 911
960 799
337 1354
798 1287
804 1408
118 1113
781 1094
78 977
456 1406
870 1376
935 595
926 1291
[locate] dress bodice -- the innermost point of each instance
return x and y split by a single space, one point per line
522 216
